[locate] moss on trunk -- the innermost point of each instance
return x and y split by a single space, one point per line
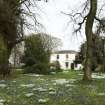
4 58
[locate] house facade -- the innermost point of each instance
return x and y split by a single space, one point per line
66 59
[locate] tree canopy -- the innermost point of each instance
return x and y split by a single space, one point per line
13 20
38 48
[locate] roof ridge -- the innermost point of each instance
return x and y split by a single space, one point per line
66 51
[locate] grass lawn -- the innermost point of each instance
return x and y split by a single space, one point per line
58 89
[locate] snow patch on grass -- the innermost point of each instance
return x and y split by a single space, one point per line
3 85
33 75
69 85
98 76
14 81
61 81
29 94
27 85
2 80
2 102
72 80
101 94
41 89
52 92
43 100
80 74
51 89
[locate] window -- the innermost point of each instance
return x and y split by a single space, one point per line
67 64
67 56
72 65
57 56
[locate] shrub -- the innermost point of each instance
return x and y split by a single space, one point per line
55 67
40 68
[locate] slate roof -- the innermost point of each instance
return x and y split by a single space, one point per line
66 52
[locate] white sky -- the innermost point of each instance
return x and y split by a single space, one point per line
55 22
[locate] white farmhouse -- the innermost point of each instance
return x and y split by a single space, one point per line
66 59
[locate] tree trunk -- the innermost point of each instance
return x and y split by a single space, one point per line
4 66
89 34
103 41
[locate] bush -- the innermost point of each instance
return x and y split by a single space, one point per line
40 68
55 67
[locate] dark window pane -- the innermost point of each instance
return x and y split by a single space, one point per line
57 56
67 56
67 64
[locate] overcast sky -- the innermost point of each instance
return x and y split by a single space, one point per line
55 22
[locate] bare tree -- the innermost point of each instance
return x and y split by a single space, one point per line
88 16
13 20
38 48
89 34
50 43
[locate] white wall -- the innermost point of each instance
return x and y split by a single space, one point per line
62 59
